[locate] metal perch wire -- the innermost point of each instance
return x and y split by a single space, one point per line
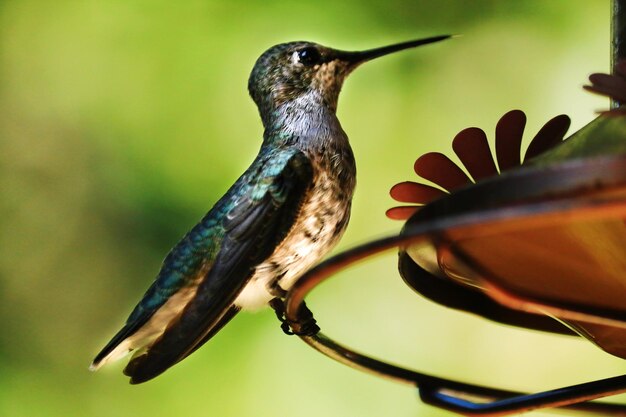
453 395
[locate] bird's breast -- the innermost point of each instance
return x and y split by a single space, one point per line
321 221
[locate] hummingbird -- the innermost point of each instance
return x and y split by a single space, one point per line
285 212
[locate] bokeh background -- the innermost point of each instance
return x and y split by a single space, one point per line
122 122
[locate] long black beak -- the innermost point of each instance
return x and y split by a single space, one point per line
356 58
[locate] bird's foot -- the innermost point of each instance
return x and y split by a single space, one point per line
276 290
305 324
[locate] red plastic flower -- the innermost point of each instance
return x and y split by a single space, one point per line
472 148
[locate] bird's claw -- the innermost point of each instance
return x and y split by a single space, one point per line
305 324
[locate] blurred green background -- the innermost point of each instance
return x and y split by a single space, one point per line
122 122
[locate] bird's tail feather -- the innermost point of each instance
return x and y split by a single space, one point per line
144 367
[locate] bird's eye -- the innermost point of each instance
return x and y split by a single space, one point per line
309 56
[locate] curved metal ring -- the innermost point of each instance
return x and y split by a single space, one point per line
449 394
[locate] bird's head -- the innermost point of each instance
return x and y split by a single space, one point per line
306 70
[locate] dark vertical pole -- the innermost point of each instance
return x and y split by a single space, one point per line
618 33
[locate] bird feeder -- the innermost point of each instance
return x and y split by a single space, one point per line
484 244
